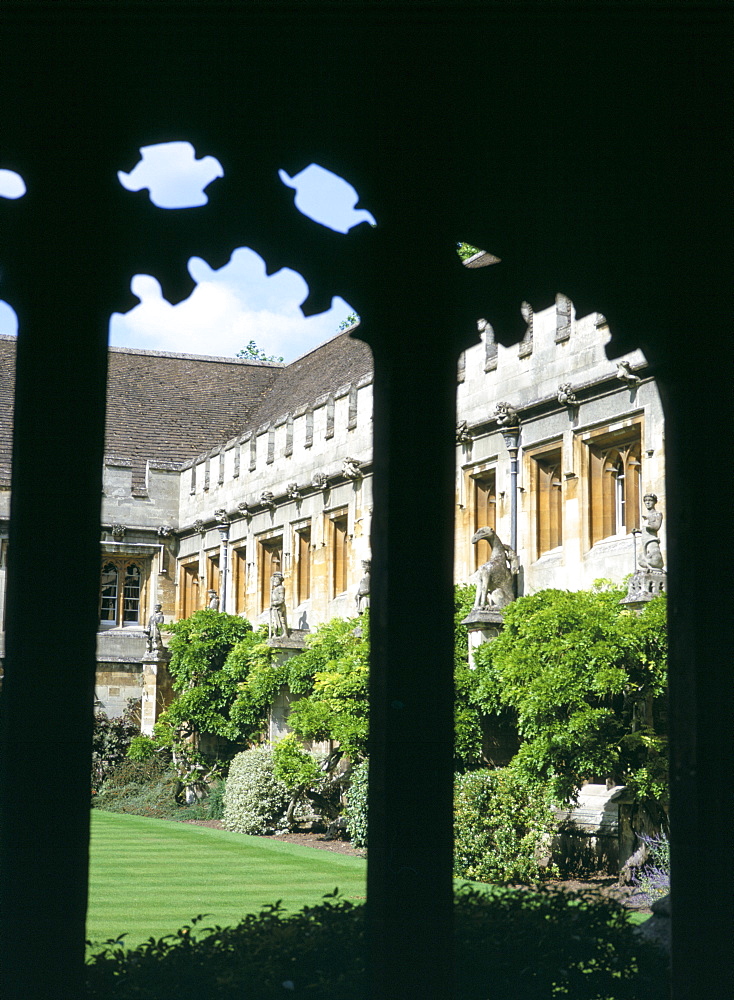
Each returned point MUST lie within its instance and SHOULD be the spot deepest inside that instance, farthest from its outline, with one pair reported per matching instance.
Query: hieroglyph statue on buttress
(154, 640)
(363, 590)
(278, 622)
(651, 557)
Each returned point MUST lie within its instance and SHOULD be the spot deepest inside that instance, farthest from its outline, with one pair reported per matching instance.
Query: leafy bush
(586, 682)
(142, 747)
(111, 739)
(503, 825)
(513, 944)
(295, 766)
(255, 801)
(653, 879)
(356, 809)
(146, 788)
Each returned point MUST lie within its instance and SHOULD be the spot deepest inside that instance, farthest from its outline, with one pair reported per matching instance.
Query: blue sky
(237, 303)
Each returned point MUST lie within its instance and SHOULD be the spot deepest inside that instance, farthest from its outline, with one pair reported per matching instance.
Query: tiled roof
(172, 407)
(7, 385)
(160, 406)
(326, 368)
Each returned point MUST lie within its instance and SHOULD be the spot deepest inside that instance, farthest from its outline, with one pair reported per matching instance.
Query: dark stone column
(409, 883)
(57, 243)
(701, 681)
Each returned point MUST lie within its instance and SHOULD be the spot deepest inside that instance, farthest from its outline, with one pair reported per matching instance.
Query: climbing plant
(586, 682)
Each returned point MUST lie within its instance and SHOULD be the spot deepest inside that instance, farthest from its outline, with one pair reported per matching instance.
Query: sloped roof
(172, 407)
(324, 369)
(7, 388)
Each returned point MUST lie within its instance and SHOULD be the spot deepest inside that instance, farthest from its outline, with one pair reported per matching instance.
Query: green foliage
(111, 740)
(356, 809)
(208, 678)
(513, 944)
(350, 320)
(466, 250)
(293, 765)
(587, 683)
(467, 726)
(253, 353)
(503, 824)
(255, 801)
(333, 674)
(142, 747)
(146, 788)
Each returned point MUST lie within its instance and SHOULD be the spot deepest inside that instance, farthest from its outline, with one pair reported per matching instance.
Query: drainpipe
(223, 553)
(512, 440)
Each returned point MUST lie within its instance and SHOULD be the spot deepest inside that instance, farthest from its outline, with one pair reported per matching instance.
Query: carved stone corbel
(566, 396)
(506, 415)
(352, 468)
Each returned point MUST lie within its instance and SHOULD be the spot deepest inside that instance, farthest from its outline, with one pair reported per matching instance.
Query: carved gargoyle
(566, 395)
(352, 468)
(496, 587)
(625, 374)
(506, 415)
(463, 434)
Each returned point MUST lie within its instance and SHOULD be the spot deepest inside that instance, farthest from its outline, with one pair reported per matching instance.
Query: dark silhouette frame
(586, 145)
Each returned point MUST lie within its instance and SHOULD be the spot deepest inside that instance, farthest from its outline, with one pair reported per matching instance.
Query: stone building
(221, 471)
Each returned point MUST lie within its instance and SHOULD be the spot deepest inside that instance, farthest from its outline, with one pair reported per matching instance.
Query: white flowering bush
(356, 809)
(255, 801)
(503, 824)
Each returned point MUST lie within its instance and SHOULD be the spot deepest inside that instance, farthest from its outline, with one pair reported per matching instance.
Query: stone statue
(496, 586)
(213, 604)
(154, 642)
(363, 590)
(278, 623)
(650, 556)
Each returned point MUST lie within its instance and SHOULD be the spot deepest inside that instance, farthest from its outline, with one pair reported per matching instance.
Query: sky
(237, 303)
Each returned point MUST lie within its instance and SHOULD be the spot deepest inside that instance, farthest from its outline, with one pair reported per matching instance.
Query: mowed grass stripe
(148, 877)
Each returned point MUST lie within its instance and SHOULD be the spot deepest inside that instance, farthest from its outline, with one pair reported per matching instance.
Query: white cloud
(227, 309)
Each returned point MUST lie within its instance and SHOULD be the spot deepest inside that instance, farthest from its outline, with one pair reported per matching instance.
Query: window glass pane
(108, 602)
(131, 595)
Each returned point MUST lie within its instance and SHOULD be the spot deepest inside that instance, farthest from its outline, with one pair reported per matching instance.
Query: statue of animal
(495, 588)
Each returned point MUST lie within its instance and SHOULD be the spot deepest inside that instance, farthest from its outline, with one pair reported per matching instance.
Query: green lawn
(148, 877)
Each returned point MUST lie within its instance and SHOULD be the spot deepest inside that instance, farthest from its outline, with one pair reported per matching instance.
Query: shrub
(111, 739)
(356, 809)
(255, 801)
(146, 788)
(653, 879)
(142, 747)
(503, 824)
(513, 944)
